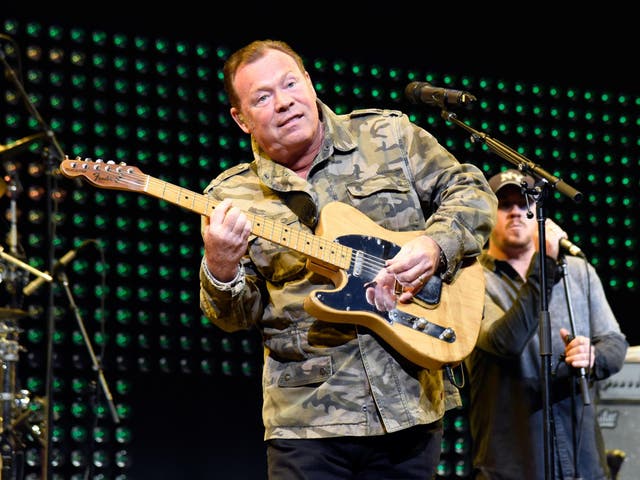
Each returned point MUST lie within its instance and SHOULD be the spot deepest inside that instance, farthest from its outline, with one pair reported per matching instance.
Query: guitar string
(371, 264)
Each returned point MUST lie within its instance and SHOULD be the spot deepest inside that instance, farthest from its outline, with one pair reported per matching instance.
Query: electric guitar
(437, 329)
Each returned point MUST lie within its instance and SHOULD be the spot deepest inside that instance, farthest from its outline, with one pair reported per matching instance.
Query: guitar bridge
(446, 334)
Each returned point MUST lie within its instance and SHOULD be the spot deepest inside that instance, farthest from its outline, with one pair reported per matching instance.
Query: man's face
(513, 230)
(277, 105)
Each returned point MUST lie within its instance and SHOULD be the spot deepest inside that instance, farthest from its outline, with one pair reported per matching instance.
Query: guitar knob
(448, 335)
(419, 324)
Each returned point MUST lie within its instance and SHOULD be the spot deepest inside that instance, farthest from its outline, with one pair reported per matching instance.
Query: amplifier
(618, 408)
(624, 385)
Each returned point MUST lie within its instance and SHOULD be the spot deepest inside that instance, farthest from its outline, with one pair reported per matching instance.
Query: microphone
(424, 92)
(584, 387)
(571, 248)
(60, 264)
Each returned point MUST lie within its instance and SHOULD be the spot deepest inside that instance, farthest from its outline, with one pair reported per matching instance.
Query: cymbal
(12, 313)
(21, 144)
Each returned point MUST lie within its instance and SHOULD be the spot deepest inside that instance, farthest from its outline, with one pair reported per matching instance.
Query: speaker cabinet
(619, 414)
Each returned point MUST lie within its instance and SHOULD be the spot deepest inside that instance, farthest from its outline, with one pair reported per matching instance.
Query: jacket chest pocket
(388, 200)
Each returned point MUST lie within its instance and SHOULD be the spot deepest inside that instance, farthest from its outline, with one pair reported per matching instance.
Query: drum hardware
(17, 420)
(11, 314)
(12, 404)
(53, 153)
(28, 417)
(9, 350)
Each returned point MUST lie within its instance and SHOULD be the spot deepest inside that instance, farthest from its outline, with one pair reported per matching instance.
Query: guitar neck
(326, 251)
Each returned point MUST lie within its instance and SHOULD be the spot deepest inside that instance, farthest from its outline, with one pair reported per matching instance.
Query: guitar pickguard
(352, 297)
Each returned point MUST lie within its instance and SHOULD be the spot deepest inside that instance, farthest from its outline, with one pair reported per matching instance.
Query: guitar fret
(181, 200)
(341, 255)
(269, 229)
(205, 205)
(323, 250)
(303, 242)
(163, 187)
(186, 200)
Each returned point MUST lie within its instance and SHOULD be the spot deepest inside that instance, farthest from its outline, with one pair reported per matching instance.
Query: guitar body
(452, 320)
(438, 328)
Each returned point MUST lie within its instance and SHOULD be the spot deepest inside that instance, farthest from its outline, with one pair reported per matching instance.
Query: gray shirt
(506, 407)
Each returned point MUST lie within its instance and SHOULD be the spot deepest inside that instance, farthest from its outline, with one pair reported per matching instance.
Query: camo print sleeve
(462, 208)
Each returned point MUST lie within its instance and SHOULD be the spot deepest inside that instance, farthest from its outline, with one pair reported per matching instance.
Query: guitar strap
(302, 205)
(298, 202)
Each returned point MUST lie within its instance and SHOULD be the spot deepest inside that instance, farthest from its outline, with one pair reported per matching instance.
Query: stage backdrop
(185, 397)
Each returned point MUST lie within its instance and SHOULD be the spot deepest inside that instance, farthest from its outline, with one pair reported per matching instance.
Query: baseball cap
(509, 177)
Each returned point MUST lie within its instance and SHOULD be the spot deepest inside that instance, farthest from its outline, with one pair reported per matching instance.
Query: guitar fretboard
(311, 245)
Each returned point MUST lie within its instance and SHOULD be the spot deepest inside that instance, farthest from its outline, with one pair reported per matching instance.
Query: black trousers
(408, 454)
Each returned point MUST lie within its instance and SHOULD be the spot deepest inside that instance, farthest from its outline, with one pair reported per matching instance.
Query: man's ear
(239, 119)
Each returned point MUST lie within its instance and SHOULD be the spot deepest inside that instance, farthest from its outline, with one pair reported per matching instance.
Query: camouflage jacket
(324, 379)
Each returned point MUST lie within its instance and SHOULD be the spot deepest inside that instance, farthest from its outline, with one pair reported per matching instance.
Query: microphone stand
(544, 182)
(582, 376)
(12, 76)
(94, 360)
(584, 386)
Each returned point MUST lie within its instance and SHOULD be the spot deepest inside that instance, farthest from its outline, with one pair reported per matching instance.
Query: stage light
(444, 469)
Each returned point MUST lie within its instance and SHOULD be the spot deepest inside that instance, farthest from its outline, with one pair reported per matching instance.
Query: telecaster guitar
(438, 328)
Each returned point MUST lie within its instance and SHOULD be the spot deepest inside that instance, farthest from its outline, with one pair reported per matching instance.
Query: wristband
(235, 286)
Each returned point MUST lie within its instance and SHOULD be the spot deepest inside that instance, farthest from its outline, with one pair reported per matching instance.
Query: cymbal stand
(26, 266)
(16, 277)
(14, 188)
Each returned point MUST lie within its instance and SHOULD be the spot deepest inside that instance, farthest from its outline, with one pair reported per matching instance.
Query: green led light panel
(157, 103)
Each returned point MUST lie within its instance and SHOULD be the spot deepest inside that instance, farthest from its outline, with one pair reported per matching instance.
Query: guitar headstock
(109, 174)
